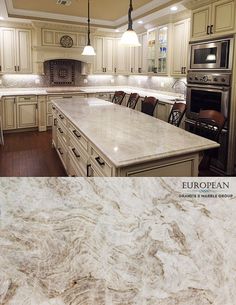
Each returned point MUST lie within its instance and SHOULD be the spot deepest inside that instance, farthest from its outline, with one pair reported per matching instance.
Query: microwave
(212, 55)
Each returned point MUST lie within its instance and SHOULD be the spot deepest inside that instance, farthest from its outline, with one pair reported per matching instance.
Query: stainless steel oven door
(206, 56)
(206, 97)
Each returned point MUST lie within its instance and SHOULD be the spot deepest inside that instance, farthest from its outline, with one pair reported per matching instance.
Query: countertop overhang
(127, 136)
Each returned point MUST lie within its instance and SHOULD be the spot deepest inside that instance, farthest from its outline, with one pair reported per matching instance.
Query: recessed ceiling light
(140, 21)
(174, 8)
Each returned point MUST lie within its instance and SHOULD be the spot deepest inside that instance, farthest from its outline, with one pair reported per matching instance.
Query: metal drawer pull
(75, 132)
(100, 161)
(59, 149)
(27, 98)
(55, 122)
(89, 170)
(67, 96)
(53, 108)
(75, 153)
(211, 29)
(60, 130)
(61, 116)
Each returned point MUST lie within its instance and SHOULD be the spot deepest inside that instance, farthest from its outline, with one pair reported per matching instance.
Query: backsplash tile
(149, 82)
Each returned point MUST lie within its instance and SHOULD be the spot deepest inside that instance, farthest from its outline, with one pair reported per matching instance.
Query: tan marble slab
(127, 136)
(115, 241)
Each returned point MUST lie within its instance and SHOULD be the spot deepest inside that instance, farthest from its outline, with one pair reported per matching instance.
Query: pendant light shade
(88, 49)
(130, 38)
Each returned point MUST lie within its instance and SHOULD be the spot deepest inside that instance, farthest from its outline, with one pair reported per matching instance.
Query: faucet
(178, 81)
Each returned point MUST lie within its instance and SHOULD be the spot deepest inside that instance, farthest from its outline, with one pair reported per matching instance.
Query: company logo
(206, 189)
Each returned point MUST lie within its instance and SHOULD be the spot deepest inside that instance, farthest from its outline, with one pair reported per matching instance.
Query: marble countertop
(127, 136)
(115, 241)
(166, 97)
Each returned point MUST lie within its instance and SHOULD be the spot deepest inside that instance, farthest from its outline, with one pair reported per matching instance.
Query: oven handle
(207, 87)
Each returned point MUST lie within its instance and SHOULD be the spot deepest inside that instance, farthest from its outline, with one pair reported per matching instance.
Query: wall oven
(210, 55)
(207, 91)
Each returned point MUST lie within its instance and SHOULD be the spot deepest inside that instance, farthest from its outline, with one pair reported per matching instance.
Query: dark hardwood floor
(29, 154)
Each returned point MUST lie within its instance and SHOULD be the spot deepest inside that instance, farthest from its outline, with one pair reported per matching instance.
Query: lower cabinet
(27, 114)
(20, 112)
(9, 112)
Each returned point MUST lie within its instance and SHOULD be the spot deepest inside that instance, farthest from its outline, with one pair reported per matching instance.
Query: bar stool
(177, 113)
(149, 104)
(118, 97)
(1, 132)
(133, 99)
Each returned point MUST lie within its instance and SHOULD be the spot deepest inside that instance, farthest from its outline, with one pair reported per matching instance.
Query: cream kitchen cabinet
(104, 59)
(122, 58)
(213, 20)
(20, 112)
(138, 56)
(27, 112)
(180, 40)
(163, 111)
(9, 112)
(15, 51)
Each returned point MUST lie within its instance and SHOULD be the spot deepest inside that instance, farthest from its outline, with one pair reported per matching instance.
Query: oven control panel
(209, 78)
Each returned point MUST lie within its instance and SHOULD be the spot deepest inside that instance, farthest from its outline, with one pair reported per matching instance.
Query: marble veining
(76, 241)
(127, 136)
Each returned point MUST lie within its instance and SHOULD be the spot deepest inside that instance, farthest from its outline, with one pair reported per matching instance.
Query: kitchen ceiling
(108, 13)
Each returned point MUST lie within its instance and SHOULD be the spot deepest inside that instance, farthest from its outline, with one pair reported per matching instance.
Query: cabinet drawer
(61, 118)
(62, 152)
(62, 132)
(80, 159)
(30, 98)
(72, 169)
(100, 163)
(93, 172)
(76, 135)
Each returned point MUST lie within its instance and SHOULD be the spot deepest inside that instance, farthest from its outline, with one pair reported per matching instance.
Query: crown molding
(153, 6)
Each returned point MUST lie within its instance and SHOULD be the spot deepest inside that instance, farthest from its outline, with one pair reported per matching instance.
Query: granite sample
(103, 241)
(126, 136)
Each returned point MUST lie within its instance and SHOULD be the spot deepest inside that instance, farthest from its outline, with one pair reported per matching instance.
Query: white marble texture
(120, 241)
(126, 136)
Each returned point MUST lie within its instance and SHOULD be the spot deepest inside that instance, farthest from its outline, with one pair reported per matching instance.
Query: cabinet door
(122, 62)
(108, 54)
(223, 17)
(98, 59)
(9, 113)
(163, 111)
(23, 51)
(8, 48)
(200, 21)
(27, 115)
(144, 53)
(180, 39)
(136, 58)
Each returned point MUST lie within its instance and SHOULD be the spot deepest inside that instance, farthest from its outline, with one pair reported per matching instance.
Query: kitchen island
(94, 137)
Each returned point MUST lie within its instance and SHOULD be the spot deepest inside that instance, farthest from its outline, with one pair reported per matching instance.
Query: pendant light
(88, 49)
(129, 37)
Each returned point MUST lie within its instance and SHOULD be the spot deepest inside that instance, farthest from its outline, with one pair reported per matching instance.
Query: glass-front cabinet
(151, 51)
(162, 50)
(157, 52)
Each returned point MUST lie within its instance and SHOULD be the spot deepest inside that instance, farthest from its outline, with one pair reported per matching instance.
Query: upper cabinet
(179, 42)
(122, 58)
(162, 51)
(214, 20)
(104, 59)
(15, 50)
(138, 56)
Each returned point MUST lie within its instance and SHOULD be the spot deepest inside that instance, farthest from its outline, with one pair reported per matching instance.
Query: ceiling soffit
(33, 11)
